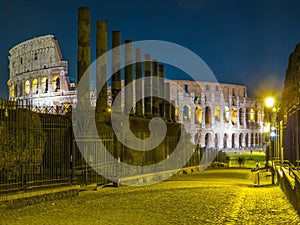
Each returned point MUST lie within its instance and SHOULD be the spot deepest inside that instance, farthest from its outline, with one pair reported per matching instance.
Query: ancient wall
(38, 73)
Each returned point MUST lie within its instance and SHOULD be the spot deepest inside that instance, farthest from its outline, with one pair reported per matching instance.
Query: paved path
(221, 196)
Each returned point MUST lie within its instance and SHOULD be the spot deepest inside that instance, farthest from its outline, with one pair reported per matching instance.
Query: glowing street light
(269, 102)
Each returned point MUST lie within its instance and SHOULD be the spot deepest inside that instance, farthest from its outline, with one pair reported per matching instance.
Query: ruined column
(147, 86)
(116, 63)
(138, 82)
(128, 99)
(167, 104)
(161, 89)
(155, 99)
(83, 52)
(101, 69)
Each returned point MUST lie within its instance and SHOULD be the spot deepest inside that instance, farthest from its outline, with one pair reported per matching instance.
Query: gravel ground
(220, 196)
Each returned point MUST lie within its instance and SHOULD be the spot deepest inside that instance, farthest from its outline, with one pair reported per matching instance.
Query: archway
(34, 86)
(247, 140)
(207, 115)
(207, 140)
(198, 115)
(44, 84)
(241, 141)
(186, 112)
(225, 140)
(27, 87)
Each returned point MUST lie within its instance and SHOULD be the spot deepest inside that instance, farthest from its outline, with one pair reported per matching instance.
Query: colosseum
(38, 73)
(216, 115)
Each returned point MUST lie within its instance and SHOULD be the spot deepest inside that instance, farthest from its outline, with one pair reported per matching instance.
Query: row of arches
(230, 141)
(35, 87)
(235, 116)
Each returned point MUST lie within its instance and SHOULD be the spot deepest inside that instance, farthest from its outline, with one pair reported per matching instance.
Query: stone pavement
(219, 196)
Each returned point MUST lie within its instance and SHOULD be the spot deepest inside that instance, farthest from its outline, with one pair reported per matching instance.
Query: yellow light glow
(267, 128)
(270, 102)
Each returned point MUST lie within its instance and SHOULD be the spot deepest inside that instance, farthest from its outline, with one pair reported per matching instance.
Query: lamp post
(269, 103)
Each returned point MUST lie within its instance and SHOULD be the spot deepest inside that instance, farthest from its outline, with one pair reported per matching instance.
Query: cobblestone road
(212, 197)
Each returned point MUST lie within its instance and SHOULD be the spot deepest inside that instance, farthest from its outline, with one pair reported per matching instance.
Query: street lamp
(269, 132)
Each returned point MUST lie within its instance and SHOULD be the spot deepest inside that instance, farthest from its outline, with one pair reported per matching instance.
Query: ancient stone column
(155, 99)
(128, 99)
(101, 69)
(167, 106)
(161, 89)
(147, 86)
(138, 82)
(116, 63)
(83, 53)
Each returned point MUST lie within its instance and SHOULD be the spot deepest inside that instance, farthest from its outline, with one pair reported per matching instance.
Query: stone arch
(247, 140)
(241, 140)
(207, 140)
(44, 84)
(241, 116)
(186, 112)
(226, 114)
(252, 115)
(35, 88)
(248, 117)
(207, 115)
(234, 116)
(234, 143)
(217, 137)
(217, 113)
(252, 139)
(225, 140)
(198, 115)
(27, 87)
(55, 84)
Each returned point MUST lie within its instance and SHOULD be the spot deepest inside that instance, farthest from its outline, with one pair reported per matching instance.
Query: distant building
(38, 73)
(218, 115)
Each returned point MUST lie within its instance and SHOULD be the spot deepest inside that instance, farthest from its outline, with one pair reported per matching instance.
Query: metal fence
(35, 149)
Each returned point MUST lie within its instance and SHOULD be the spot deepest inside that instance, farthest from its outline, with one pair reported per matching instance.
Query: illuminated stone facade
(38, 73)
(218, 115)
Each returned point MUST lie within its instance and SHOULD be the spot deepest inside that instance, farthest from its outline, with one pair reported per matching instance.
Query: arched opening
(35, 86)
(241, 141)
(207, 140)
(234, 116)
(27, 87)
(55, 84)
(44, 84)
(217, 113)
(186, 112)
(207, 115)
(226, 114)
(196, 138)
(259, 119)
(233, 141)
(248, 117)
(256, 139)
(12, 90)
(247, 140)
(252, 115)
(252, 140)
(225, 141)
(216, 140)
(198, 115)
(241, 116)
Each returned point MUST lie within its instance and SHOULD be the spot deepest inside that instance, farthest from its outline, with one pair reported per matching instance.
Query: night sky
(243, 42)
